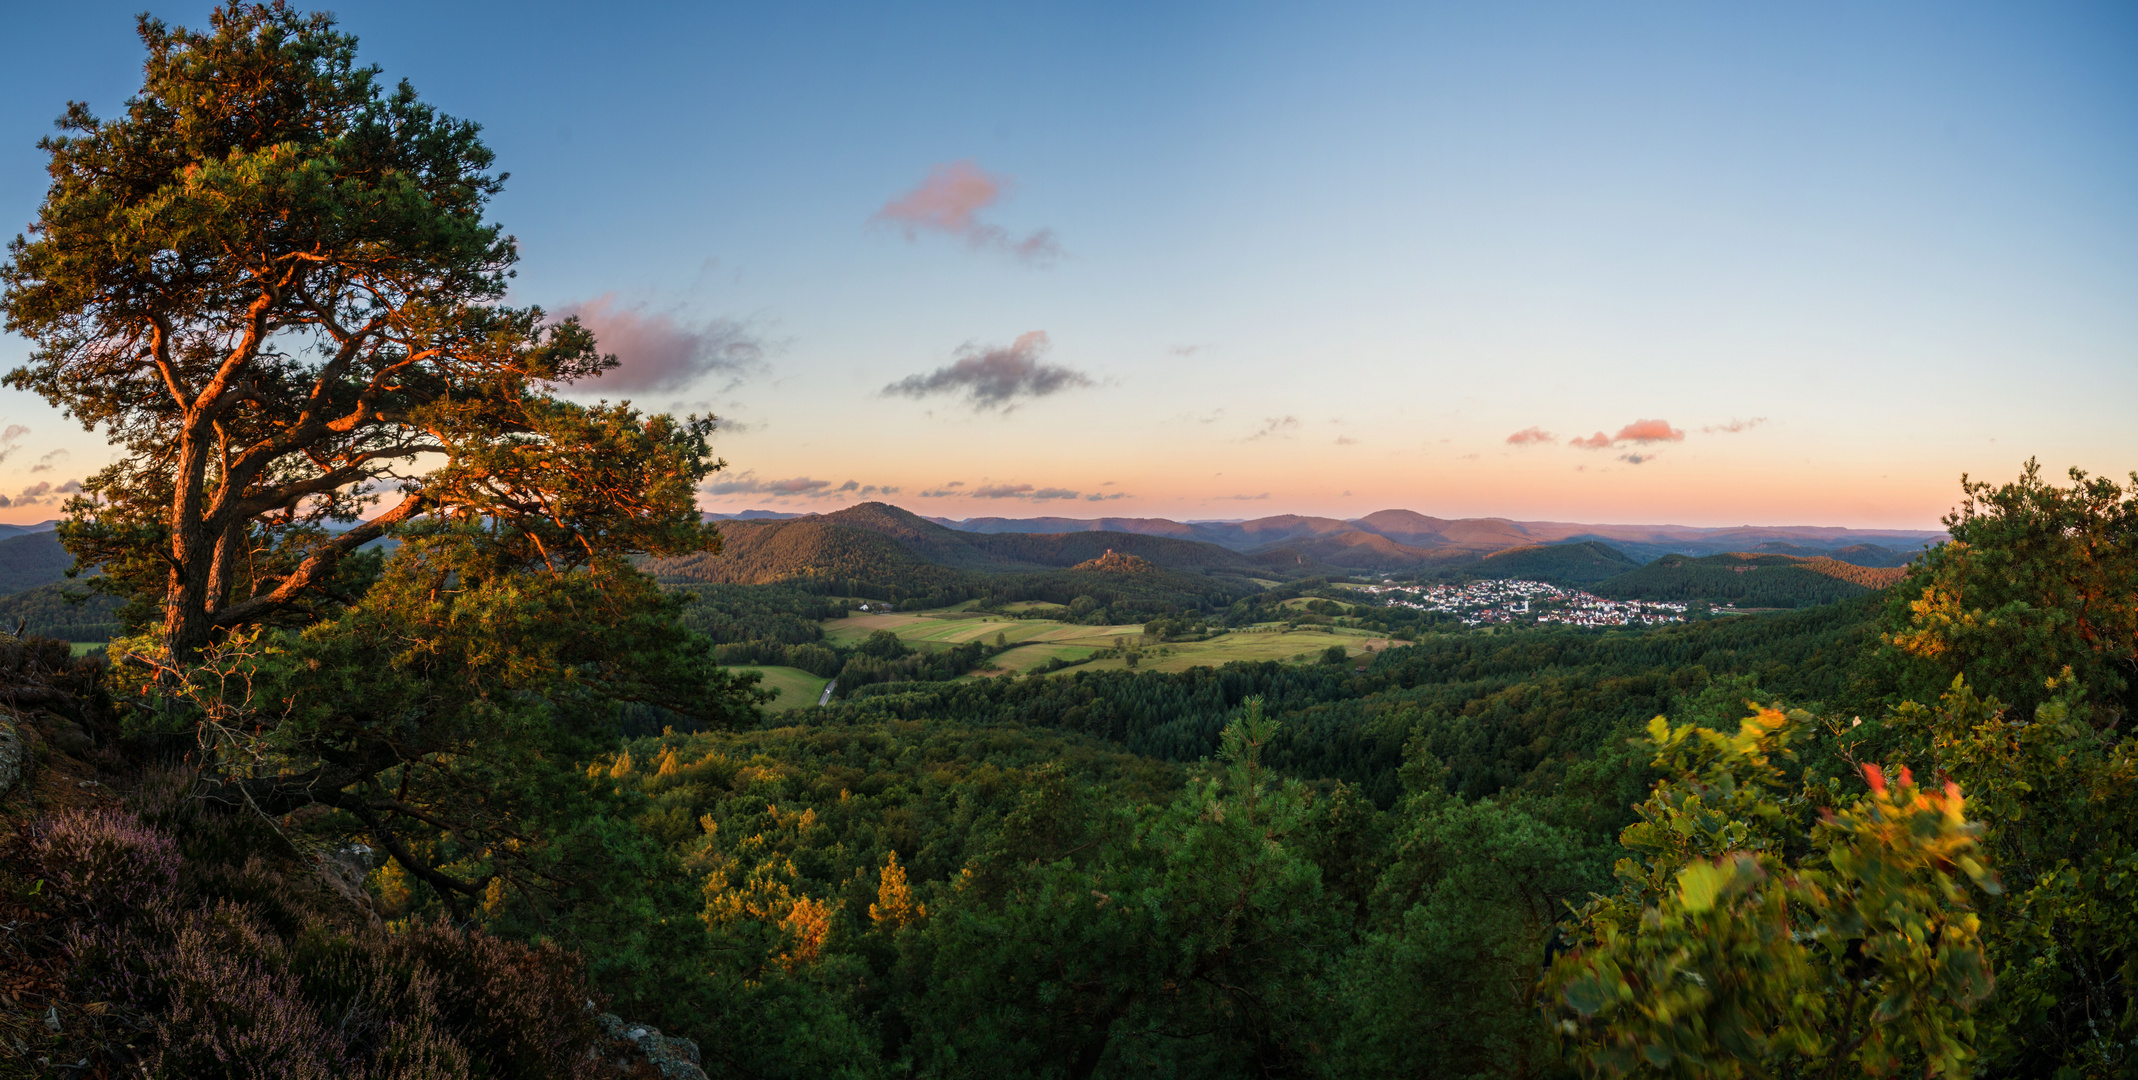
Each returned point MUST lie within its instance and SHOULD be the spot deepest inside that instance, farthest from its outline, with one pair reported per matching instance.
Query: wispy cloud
(49, 461)
(42, 492)
(1185, 350)
(11, 440)
(1530, 436)
(1031, 492)
(1264, 497)
(1636, 459)
(949, 201)
(1274, 426)
(656, 350)
(995, 377)
(1733, 427)
(749, 483)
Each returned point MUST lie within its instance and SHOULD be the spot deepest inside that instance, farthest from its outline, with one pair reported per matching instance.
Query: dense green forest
(491, 800)
(1746, 580)
(63, 610)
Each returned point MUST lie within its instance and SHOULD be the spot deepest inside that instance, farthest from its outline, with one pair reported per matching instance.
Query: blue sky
(1311, 258)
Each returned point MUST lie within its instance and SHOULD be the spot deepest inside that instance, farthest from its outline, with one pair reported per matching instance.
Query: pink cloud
(1649, 431)
(949, 201)
(1526, 436)
(657, 351)
(1643, 432)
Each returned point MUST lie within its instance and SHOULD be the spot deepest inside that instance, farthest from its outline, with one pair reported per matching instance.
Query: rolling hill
(764, 552)
(31, 559)
(874, 548)
(1579, 564)
(1450, 539)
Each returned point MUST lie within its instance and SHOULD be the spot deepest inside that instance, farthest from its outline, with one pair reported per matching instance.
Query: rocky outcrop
(629, 1044)
(1118, 563)
(13, 755)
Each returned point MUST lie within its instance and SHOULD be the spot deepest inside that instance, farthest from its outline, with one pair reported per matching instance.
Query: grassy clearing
(1041, 640)
(84, 648)
(798, 689)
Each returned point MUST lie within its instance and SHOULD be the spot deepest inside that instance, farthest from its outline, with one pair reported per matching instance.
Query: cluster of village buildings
(1484, 603)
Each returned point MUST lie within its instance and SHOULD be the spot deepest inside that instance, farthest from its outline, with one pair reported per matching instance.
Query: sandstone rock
(676, 1058)
(344, 870)
(11, 755)
(66, 736)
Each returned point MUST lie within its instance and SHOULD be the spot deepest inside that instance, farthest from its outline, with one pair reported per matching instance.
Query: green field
(1039, 640)
(84, 648)
(798, 689)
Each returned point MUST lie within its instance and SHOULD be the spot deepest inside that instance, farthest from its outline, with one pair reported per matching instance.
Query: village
(1486, 603)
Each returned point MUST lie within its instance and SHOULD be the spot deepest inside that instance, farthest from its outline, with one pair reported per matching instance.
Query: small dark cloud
(11, 440)
(1109, 497)
(1246, 498)
(995, 377)
(1346, 440)
(1185, 350)
(850, 485)
(1002, 491)
(48, 461)
(1274, 426)
(1056, 493)
(1735, 425)
(656, 351)
(1636, 459)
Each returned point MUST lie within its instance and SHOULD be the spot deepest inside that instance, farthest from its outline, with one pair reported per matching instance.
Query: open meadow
(1036, 641)
(797, 688)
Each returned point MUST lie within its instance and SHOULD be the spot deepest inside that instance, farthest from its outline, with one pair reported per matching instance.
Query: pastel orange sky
(1550, 261)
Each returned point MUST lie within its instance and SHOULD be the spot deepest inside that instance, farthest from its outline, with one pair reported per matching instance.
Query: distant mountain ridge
(1401, 539)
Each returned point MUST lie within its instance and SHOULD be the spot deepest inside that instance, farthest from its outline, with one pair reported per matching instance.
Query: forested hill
(1582, 563)
(884, 545)
(764, 552)
(28, 560)
(1500, 710)
(1749, 579)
